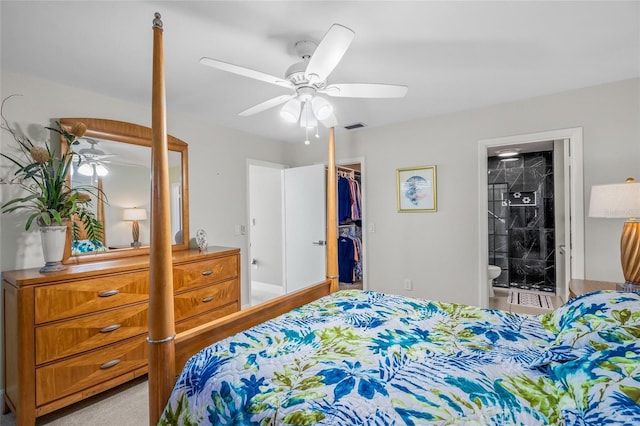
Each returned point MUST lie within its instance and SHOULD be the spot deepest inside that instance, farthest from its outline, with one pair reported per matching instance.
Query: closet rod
(347, 172)
(347, 169)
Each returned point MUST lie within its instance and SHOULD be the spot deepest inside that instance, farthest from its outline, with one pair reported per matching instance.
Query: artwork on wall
(417, 189)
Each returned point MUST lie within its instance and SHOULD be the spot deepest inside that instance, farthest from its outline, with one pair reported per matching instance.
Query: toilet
(493, 272)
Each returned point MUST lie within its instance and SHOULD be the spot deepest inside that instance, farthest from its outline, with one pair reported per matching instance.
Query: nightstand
(578, 287)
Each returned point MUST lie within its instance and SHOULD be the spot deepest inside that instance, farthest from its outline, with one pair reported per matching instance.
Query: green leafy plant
(43, 174)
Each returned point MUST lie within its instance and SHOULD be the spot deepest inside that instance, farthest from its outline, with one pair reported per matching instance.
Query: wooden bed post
(332, 215)
(161, 317)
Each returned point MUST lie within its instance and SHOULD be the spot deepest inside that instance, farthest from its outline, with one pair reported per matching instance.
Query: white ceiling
(453, 55)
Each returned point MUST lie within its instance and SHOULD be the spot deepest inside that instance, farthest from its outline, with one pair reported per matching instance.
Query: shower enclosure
(521, 224)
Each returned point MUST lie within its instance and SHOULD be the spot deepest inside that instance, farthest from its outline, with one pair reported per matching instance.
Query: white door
(304, 226)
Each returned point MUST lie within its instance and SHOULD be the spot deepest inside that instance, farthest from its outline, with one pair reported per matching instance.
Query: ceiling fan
(91, 160)
(308, 78)
(93, 153)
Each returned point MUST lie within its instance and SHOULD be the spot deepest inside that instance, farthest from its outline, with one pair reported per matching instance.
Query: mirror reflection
(115, 157)
(122, 171)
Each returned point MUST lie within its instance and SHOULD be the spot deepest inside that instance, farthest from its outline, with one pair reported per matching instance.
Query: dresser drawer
(87, 296)
(71, 337)
(201, 273)
(66, 377)
(198, 301)
(206, 317)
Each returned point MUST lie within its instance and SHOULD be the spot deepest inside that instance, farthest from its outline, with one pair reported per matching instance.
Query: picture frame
(417, 189)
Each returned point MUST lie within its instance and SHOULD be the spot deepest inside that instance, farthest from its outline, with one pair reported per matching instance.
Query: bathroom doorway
(569, 218)
(522, 212)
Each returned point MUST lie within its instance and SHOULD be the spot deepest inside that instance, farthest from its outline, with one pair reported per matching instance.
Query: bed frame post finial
(157, 21)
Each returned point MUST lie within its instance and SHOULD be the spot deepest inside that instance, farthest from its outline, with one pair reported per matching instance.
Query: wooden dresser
(71, 334)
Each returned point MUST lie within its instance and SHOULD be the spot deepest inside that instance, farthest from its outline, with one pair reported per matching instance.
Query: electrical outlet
(408, 285)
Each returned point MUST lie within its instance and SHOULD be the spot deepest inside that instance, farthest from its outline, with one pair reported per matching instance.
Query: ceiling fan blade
(267, 104)
(329, 52)
(245, 72)
(365, 90)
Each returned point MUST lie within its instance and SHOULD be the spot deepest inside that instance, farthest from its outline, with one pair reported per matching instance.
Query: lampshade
(321, 107)
(620, 200)
(87, 169)
(101, 170)
(134, 214)
(290, 112)
(308, 112)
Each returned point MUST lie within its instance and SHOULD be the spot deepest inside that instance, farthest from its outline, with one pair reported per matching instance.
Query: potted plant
(47, 196)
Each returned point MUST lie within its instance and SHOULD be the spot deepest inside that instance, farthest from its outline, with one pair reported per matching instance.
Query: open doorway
(265, 207)
(287, 213)
(287, 229)
(569, 248)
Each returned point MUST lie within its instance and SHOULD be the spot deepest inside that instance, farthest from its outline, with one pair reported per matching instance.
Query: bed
(323, 356)
(361, 357)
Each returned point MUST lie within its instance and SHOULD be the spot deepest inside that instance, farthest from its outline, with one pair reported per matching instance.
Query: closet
(350, 268)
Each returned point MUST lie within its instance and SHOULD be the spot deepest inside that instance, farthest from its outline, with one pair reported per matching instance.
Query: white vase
(53, 240)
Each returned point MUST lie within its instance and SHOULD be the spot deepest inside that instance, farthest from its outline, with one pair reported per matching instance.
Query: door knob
(319, 243)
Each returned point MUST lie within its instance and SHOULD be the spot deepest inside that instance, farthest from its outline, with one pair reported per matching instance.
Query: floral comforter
(366, 358)
(357, 357)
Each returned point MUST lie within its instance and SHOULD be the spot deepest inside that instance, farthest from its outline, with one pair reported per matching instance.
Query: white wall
(439, 251)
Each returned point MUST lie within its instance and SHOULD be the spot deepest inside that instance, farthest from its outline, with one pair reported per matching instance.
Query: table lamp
(622, 201)
(135, 215)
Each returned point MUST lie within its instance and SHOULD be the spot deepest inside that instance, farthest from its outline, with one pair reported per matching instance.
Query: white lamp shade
(321, 107)
(134, 214)
(620, 200)
(290, 112)
(101, 170)
(85, 169)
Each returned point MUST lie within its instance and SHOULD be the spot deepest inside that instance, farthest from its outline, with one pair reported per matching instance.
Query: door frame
(576, 231)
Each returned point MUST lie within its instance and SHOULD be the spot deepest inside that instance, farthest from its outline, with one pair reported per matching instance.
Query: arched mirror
(117, 160)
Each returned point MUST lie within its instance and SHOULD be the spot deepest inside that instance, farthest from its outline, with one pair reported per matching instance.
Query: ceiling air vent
(354, 126)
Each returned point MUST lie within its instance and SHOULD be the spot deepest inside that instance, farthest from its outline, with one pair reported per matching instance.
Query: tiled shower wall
(521, 221)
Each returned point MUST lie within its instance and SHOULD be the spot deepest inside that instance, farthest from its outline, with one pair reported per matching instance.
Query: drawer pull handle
(108, 293)
(110, 328)
(110, 364)
(206, 273)
(207, 299)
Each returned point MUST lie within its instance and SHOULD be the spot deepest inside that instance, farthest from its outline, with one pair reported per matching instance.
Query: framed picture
(417, 189)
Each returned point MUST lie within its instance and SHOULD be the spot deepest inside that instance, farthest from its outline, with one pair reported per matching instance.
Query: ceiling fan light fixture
(101, 170)
(321, 107)
(85, 169)
(290, 112)
(307, 119)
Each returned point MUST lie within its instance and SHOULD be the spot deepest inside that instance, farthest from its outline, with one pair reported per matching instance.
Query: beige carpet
(126, 405)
